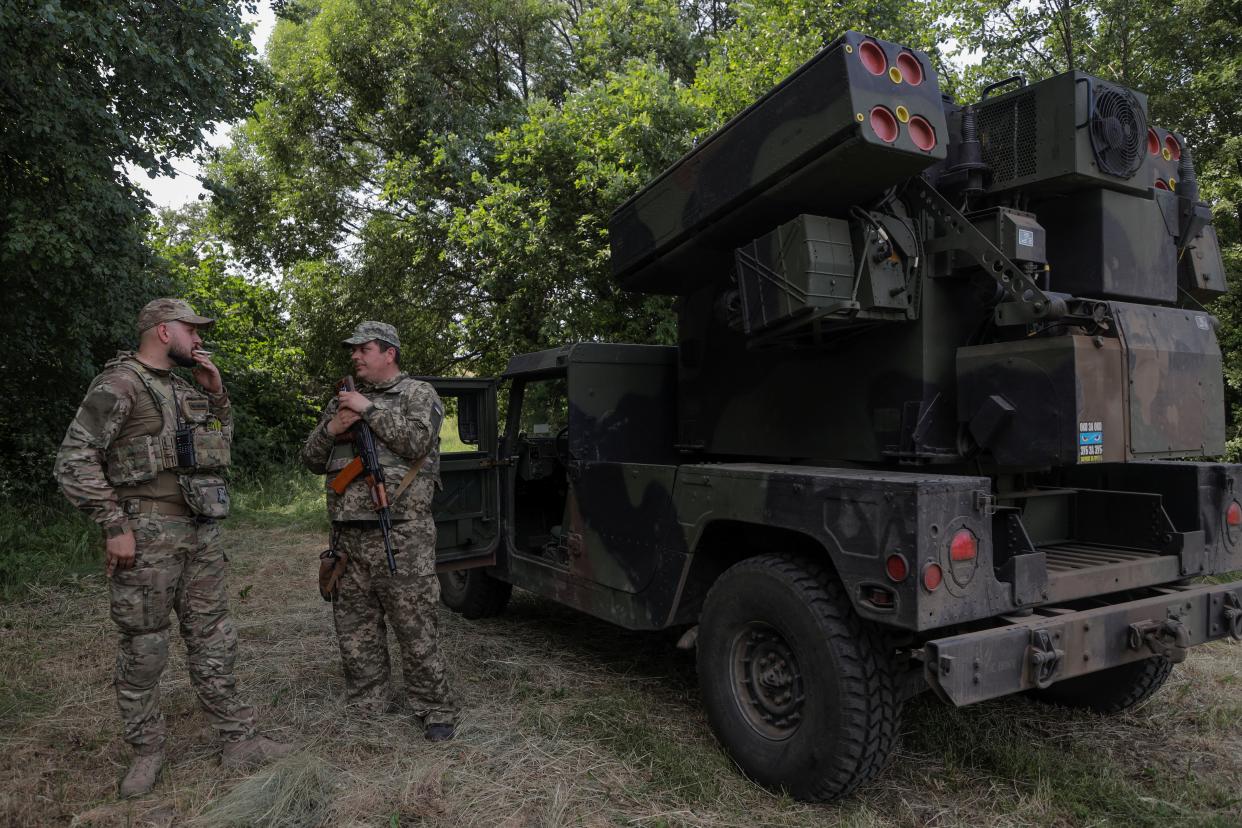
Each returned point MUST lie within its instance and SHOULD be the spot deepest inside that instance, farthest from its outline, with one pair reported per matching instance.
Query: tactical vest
(174, 461)
(355, 503)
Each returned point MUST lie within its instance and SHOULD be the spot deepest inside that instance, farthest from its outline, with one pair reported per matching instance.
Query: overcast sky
(176, 191)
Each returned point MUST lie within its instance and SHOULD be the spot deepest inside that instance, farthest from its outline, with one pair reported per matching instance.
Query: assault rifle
(367, 462)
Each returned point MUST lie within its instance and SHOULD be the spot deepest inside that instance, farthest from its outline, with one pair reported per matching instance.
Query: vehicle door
(467, 507)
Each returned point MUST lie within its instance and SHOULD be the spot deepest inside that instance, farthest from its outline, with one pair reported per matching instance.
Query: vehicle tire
(1112, 690)
(798, 689)
(474, 593)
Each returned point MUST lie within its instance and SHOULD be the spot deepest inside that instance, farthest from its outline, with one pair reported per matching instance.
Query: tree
(85, 89)
(451, 165)
(251, 342)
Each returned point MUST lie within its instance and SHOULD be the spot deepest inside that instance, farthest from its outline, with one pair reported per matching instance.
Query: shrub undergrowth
(48, 541)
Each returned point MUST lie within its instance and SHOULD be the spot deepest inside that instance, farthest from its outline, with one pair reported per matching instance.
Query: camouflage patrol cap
(169, 310)
(368, 331)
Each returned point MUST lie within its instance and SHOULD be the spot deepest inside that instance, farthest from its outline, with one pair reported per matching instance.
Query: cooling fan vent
(1118, 131)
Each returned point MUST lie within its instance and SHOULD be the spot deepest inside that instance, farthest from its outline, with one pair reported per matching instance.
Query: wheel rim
(454, 582)
(767, 682)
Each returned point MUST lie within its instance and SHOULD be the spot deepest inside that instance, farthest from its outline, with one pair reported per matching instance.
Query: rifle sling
(409, 477)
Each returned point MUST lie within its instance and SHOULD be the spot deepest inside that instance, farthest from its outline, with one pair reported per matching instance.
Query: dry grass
(569, 722)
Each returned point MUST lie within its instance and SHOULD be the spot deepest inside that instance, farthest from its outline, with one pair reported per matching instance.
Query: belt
(141, 506)
(135, 506)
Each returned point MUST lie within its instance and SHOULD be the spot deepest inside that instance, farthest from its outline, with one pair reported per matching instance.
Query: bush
(45, 541)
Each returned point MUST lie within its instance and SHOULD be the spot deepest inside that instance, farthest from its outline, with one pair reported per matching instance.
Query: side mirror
(469, 416)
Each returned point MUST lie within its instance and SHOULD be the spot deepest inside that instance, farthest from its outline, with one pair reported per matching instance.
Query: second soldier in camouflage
(404, 415)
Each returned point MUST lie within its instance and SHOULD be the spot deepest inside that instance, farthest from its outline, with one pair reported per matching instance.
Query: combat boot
(140, 778)
(439, 732)
(253, 751)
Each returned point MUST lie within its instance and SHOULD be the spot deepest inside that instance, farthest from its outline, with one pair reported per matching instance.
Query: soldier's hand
(120, 553)
(206, 373)
(341, 421)
(353, 401)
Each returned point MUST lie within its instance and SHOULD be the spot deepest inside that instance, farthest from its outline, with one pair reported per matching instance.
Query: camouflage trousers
(371, 599)
(179, 566)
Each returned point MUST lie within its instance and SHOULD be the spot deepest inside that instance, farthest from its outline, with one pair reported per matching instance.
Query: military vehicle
(936, 418)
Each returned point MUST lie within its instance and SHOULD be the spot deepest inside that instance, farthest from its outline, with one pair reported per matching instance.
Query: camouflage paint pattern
(179, 567)
(371, 600)
(405, 417)
(115, 446)
(116, 460)
(814, 136)
(867, 437)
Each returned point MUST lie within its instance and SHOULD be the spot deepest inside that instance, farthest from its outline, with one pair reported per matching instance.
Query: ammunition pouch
(332, 566)
(134, 460)
(211, 448)
(207, 495)
(140, 459)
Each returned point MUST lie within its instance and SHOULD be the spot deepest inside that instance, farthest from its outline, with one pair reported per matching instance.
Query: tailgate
(1038, 650)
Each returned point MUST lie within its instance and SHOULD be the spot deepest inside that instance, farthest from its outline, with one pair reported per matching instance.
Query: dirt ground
(568, 722)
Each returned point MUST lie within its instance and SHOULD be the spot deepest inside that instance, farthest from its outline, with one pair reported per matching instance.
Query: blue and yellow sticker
(1090, 442)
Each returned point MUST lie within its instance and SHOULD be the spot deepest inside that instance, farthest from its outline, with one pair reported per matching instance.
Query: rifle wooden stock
(347, 475)
(367, 462)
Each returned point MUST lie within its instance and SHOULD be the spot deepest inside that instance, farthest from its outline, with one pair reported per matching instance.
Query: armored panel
(1108, 245)
(1066, 133)
(1044, 402)
(1201, 271)
(622, 403)
(1176, 392)
(856, 119)
(804, 264)
(1015, 233)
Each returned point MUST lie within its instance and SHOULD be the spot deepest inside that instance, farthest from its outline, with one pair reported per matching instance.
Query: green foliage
(258, 357)
(89, 87)
(451, 167)
(47, 541)
(286, 496)
(44, 542)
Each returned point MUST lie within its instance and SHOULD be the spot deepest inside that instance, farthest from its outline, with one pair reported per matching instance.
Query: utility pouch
(211, 448)
(331, 569)
(135, 460)
(207, 495)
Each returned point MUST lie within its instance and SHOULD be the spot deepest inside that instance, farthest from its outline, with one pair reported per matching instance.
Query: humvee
(940, 416)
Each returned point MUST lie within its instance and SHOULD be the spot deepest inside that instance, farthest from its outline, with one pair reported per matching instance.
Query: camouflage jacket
(119, 416)
(405, 417)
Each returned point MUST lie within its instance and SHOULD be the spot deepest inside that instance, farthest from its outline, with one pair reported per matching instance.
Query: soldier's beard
(182, 358)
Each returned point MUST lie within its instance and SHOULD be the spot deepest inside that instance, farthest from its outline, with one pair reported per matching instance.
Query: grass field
(568, 722)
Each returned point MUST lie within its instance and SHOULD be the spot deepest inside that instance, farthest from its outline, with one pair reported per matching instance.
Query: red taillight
(964, 546)
(896, 568)
(933, 577)
(1233, 515)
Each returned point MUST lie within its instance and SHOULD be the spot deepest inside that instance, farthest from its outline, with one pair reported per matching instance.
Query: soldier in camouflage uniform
(404, 415)
(143, 457)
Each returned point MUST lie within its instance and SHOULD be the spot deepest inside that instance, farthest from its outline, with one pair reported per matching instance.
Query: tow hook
(1233, 615)
(1044, 658)
(1168, 638)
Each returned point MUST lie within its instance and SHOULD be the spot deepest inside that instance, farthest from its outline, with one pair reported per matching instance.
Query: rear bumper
(1041, 649)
